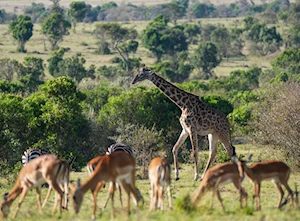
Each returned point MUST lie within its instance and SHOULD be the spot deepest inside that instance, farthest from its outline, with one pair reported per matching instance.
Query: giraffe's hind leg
(213, 141)
(194, 140)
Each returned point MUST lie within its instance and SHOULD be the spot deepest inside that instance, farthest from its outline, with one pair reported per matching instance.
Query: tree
(121, 39)
(74, 68)
(91, 13)
(176, 10)
(192, 31)
(221, 38)
(218, 103)
(9, 69)
(13, 130)
(206, 57)
(71, 66)
(248, 22)
(33, 72)
(176, 70)
(294, 13)
(109, 5)
(11, 87)
(59, 124)
(202, 10)
(141, 107)
(77, 12)
(55, 58)
(54, 28)
(288, 61)
(35, 11)
(3, 16)
(276, 120)
(56, 8)
(238, 80)
(22, 30)
(162, 39)
(264, 40)
(293, 38)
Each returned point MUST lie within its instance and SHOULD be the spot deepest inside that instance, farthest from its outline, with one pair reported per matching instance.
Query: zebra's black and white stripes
(119, 147)
(31, 154)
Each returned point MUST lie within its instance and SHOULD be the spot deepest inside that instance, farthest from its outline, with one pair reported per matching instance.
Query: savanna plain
(181, 190)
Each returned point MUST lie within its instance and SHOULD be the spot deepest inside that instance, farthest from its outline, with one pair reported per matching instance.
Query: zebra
(119, 147)
(31, 154)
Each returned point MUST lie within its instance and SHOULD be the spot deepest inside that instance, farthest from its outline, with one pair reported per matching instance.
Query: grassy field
(85, 43)
(180, 189)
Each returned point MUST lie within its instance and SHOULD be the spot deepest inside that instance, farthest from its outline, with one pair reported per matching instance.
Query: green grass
(181, 190)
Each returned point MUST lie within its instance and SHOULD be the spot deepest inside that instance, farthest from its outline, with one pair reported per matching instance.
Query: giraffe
(197, 118)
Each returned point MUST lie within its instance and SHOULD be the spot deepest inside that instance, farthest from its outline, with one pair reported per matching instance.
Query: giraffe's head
(143, 74)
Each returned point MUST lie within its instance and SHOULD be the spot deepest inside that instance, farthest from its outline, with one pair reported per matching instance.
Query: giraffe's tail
(233, 151)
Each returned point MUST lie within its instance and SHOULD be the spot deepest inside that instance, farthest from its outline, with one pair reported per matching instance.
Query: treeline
(62, 119)
(176, 9)
(82, 110)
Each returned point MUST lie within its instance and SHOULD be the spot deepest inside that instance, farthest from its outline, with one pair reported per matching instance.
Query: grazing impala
(91, 165)
(274, 170)
(117, 167)
(219, 175)
(159, 175)
(44, 169)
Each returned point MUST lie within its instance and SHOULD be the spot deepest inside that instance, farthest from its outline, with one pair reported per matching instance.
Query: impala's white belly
(33, 181)
(125, 174)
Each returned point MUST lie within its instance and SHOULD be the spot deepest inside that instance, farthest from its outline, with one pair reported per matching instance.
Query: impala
(117, 167)
(274, 170)
(44, 169)
(219, 175)
(91, 167)
(64, 184)
(159, 175)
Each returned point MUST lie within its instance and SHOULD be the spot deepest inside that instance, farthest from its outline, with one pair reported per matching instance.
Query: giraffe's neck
(180, 97)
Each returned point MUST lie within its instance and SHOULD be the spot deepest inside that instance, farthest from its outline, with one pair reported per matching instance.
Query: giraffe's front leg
(179, 142)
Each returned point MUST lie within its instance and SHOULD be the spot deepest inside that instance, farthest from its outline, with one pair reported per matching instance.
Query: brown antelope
(44, 169)
(117, 167)
(219, 175)
(91, 167)
(159, 175)
(63, 183)
(274, 170)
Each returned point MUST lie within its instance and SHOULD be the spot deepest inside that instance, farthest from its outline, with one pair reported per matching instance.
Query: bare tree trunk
(123, 57)
(44, 41)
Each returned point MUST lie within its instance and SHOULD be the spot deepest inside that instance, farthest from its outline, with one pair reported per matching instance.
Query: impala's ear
(249, 157)
(78, 184)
